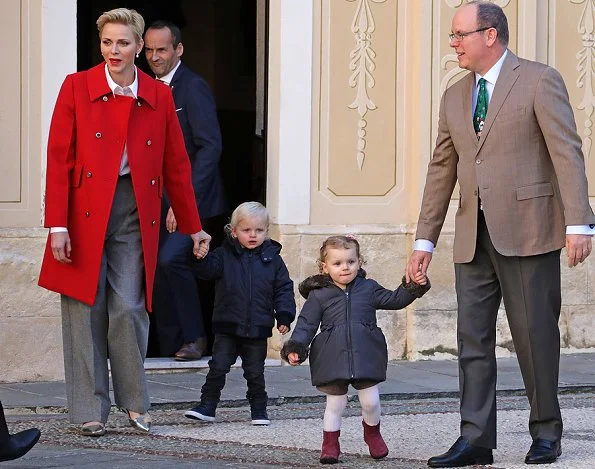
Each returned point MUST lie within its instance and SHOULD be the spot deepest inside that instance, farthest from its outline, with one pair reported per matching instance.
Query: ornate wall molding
(444, 61)
(585, 57)
(362, 66)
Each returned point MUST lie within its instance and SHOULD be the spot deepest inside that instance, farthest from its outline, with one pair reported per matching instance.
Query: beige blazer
(527, 167)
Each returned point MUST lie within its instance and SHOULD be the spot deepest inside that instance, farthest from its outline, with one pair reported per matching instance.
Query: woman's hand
(170, 221)
(283, 329)
(61, 247)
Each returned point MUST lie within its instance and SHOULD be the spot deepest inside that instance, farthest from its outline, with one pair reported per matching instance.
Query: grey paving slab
(44, 456)
(431, 377)
(44, 393)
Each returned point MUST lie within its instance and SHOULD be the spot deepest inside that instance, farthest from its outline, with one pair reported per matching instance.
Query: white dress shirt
(170, 76)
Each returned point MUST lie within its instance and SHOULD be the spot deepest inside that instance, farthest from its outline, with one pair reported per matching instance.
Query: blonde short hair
(247, 210)
(130, 18)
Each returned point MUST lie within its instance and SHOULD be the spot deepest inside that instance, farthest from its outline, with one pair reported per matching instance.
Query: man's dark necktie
(481, 109)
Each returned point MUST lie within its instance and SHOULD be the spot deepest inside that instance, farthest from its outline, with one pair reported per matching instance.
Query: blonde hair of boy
(248, 210)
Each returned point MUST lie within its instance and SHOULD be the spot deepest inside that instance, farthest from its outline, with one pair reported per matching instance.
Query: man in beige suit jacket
(523, 197)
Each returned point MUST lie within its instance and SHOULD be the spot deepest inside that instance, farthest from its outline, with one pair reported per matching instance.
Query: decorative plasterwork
(444, 61)
(362, 65)
(586, 28)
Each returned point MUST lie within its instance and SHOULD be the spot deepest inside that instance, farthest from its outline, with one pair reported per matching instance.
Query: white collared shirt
(490, 77)
(119, 90)
(113, 85)
(170, 76)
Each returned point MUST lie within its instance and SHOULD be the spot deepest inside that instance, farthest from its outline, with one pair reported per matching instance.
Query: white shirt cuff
(581, 229)
(58, 229)
(423, 245)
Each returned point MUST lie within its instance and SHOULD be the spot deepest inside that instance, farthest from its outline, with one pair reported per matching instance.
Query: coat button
(148, 142)
(105, 98)
(475, 192)
(138, 103)
(478, 161)
(89, 174)
(98, 135)
(153, 222)
(152, 182)
(87, 214)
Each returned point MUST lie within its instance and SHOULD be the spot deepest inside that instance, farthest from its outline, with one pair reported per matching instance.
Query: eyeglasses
(460, 36)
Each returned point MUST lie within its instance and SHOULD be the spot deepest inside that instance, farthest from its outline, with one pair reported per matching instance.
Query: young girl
(252, 289)
(350, 348)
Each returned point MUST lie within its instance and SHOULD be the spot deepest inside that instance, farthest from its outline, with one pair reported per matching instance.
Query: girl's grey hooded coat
(349, 345)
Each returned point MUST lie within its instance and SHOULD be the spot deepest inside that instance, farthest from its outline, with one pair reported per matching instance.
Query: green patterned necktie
(481, 109)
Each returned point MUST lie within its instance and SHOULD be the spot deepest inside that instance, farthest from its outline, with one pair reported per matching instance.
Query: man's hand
(61, 248)
(283, 329)
(418, 263)
(201, 243)
(578, 248)
(170, 221)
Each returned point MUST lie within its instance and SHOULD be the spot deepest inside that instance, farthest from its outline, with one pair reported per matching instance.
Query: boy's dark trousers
(226, 349)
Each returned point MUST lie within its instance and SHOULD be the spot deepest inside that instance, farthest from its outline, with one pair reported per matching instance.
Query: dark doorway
(225, 42)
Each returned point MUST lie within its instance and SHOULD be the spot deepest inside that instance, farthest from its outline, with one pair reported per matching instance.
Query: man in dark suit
(179, 321)
(507, 134)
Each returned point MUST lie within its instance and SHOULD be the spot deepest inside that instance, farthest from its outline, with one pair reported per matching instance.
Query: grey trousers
(530, 287)
(117, 325)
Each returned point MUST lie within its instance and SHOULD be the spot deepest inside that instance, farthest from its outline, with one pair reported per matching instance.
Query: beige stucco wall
(347, 153)
(30, 331)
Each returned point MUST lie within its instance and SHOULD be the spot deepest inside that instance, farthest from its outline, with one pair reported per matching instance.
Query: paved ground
(420, 419)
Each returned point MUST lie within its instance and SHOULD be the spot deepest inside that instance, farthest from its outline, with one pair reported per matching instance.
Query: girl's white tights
(335, 405)
(369, 399)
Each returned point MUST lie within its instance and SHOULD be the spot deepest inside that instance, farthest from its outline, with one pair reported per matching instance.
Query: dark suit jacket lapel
(507, 78)
(177, 78)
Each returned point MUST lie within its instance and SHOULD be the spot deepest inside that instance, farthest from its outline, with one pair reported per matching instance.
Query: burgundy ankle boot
(373, 439)
(330, 447)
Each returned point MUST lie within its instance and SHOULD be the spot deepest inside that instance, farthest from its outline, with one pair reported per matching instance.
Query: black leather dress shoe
(543, 452)
(462, 453)
(18, 444)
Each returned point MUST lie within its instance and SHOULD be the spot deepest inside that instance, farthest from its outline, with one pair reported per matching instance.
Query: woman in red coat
(114, 144)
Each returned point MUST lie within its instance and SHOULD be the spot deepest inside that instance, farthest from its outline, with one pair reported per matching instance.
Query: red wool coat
(87, 134)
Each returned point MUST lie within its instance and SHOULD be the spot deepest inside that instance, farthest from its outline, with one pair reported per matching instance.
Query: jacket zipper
(249, 323)
(349, 344)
